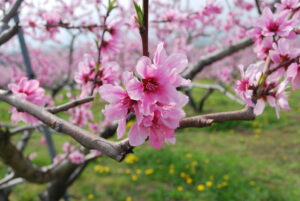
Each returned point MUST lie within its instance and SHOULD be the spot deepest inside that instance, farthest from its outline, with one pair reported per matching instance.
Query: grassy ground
(235, 161)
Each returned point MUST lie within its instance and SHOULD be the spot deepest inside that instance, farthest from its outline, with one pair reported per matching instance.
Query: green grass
(233, 161)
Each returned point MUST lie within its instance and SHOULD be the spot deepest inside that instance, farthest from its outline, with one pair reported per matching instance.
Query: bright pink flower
(249, 81)
(52, 18)
(277, 98)
(95, 152)
(293, 74)
(43, 141)
(32, 156)
(159, 126)
(67, 147)
(76, 157)
(58, 158)
(82, 114)
(283, 51)
(211, 8)
(86, 75)
(289, 5)
(244, 5)
(256, 34)
(120, 102)
(30, 91)
(262, 49)
(160, 79)
(111, 47)
(94, 127)
(272, 24)
(114, 28)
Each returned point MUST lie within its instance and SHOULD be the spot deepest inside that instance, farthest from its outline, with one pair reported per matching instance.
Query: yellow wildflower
(189, 155)
(91, 196)
(130, 159)
(226, 177)
(209, 183)
(149, 171)
(180, 188)
(127, 171)
(200, 187)
(128, 198)
(134, 177)
(189, 180)
(183, 175)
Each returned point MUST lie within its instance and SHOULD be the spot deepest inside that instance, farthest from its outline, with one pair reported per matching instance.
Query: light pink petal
(259, 107)
(176, 63)
(137, 136)
(111, 93)
(143, 66)
(121, 127)
(160, 54)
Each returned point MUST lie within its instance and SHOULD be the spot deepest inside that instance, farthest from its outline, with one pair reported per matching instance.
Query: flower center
(273, 27)
(150, 85)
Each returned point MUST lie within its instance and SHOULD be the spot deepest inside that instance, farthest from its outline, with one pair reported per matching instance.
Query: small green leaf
(139, 13)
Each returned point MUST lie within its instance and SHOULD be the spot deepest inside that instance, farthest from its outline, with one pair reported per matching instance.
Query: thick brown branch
(7, 34)
(12, 12)
(115, 150)
(216, 56)
(23, 167)
(245, 114)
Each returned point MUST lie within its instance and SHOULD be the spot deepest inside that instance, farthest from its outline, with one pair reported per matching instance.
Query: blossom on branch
(31, 91)
(152, 96)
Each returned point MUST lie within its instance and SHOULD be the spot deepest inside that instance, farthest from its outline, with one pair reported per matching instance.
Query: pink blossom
(95, 152)
(32, 156)
(272, 24)
(289, 5)
(86, 75)
(282, 51)
(262, 49)
(67, 147)
(43, 141)
(76, 157)
(159, 126)
(52, 18)
(277, 98)
(58, 158)
(94, 127)
(114, 28)
(160, 79)
(120, 102)
(82, 114)
(30, 91)
(293, 74)
(110, 47)
(249, 81)
(256, 34)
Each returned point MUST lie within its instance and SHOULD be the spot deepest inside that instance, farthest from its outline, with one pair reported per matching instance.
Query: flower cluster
(89, 78)
(267, 80)
(152, 96)
(30, 91)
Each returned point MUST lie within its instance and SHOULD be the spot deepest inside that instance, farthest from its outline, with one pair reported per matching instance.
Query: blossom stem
(144, 28)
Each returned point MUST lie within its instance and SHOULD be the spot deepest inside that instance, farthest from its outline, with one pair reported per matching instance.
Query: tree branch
(115, 150)
(70, 105)
(208, 119)
(12, 12)
(216, 56)
(7, 34)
